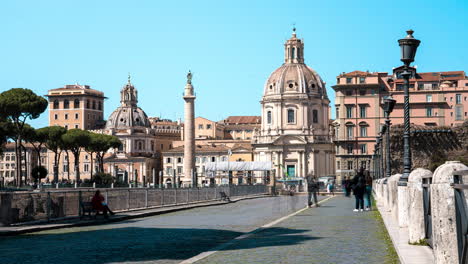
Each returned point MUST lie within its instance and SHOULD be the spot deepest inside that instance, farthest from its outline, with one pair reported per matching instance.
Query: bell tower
(294, 49)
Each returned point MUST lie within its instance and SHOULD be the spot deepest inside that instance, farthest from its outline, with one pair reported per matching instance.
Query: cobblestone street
(329, 234)
(332, 233)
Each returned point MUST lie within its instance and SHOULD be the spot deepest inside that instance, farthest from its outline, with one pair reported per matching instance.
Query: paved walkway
(332, 233)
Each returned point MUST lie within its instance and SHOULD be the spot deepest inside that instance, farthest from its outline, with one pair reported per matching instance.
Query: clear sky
(230, 46)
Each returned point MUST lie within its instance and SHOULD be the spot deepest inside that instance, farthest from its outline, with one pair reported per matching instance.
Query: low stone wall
(411, 212)
(16, 207)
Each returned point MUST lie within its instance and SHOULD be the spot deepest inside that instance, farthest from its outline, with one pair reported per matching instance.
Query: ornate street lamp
(408, 46)
(389, 104)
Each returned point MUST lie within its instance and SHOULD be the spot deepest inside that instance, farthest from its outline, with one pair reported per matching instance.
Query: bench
(224, 197)
(87, 210)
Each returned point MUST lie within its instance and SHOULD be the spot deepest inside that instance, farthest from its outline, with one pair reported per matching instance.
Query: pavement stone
(332, 233)
(166, 238)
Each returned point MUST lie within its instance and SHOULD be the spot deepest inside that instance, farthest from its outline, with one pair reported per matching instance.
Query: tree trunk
(68, 166)
(56, 165)
(26, 178)
(77, 166)
(17, 163)
(91, 166)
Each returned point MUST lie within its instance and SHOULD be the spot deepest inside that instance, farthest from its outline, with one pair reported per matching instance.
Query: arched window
(56, 104)
(87, 104)
(94, 104)
(293, 53)
(76, 103)
(315, 116)
(66, 104)
(298, 52)
(269, 117)
(140, 145)
(291, 116)
(99, 105)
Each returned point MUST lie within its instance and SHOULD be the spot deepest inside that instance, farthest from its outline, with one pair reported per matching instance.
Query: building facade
(294, 132)
(30, 159)
(436, 99)
(76, 106)
(241, 127)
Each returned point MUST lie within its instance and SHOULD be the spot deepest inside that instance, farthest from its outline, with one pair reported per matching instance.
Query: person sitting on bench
(99, 204)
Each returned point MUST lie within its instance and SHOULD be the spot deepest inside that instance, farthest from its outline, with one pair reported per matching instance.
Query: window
(168, 170)
(372, 91)
(363, 148)
(338, 164)
(66, 116)
(362, 92)
(349, 111)
(76, 115)
(428, 98)
(208, 126)
(428, 111)
(269, 117)
(435, 86)
(349, 148)
(362, 111)
(168, 160)
(293, 55)
(458, 113)
(349, 80)
(200, 126)
(349, 92)
(337, 112)
(56, 104)
(399, 87)
(94, 104)
(349, 131)
(362, 79)
(76, 103)
(363, 164)
(420, 86)
(458, 99)
(152, 146)
(213, 159)
(86, 167)
(350, 164)
(290, 116)
(76, 126)
(179, 160)
(99, 105)
(315, 116)
(363, 131)
(66, 104)
(197, 160)
(140, 145)
(451, 99)
(55, 116)
(87, 104)
(204, 159)
(337, 80)
(179, 170)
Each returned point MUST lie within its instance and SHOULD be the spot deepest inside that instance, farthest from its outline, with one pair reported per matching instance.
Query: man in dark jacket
(359, 187)
(312, 189)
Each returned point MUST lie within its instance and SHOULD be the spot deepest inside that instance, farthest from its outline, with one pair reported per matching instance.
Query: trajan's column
(189, 132)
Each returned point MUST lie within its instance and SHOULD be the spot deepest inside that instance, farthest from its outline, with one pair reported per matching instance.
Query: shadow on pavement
(133, 244)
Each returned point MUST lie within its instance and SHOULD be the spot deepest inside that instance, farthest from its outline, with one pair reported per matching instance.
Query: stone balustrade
(427, 210)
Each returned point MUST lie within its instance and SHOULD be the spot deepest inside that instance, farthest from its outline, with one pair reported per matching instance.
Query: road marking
(247, 235)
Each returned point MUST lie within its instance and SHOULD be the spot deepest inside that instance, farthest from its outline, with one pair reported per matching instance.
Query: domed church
(295, 131)
(136, 160)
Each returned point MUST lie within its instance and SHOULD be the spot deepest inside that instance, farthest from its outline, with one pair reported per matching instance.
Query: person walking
(312, 189)
(368, 191)
(359, 186)
(331, 187)
(346, 186)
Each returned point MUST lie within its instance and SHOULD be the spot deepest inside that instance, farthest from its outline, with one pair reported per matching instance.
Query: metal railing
(461, 211)
(427, 210)
(17, 207)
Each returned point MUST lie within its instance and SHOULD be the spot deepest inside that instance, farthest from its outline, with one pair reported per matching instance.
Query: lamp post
(382, 150)
(376, 153)
(389, 104)
(408, 46)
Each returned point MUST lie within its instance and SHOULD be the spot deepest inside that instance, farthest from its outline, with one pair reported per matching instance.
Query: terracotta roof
(437, 76)
(200, 148)
(242, 120)
(356, 73)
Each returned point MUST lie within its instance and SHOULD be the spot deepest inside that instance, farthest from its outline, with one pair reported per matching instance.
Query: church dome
(128, 114)
(294, 76)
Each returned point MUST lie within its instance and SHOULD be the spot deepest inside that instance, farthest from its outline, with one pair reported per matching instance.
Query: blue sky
(230, 46)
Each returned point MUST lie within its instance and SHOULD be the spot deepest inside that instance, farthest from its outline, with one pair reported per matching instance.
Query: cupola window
(291, 116)
(293, 55)
(269, 117)
(315, 116)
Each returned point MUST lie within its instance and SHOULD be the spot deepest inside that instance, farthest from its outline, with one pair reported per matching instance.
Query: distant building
(294, 132)
(436, 99)
(207, 129)
(30, 160)
(76, 106)
(240, 127)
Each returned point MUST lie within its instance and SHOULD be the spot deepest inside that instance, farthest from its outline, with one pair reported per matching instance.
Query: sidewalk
(332, 233)
(120, 216)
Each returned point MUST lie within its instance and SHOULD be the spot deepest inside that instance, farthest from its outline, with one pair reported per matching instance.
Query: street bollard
(112, 185)
(94, 185)
(56, 185)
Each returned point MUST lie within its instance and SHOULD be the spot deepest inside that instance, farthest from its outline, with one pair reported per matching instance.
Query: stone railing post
(385, 195)
(444, 226)
(392, 185)
(416, 226)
